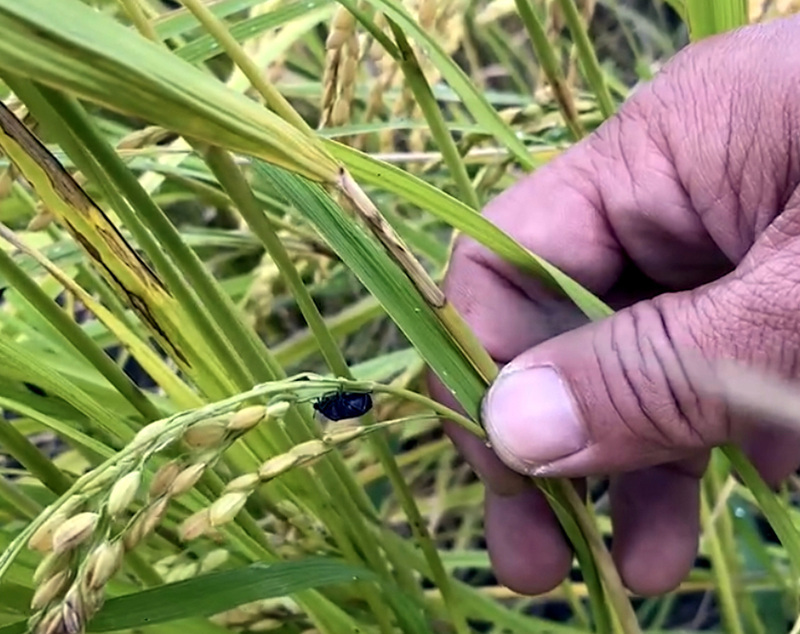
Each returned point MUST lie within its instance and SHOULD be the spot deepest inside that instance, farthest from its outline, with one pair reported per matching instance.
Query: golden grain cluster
(117, 506)
(86, 537)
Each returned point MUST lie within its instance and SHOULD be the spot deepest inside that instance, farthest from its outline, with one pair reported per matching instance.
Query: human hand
(683, 210)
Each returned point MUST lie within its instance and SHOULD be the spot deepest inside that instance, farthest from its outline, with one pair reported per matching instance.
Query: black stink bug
(341, 405)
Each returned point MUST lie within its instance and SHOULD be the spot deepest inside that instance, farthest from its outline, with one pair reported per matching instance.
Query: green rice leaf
(366, 258)
(70, 47)
(213, 593)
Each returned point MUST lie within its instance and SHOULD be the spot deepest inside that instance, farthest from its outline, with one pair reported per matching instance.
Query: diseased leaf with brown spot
(115, 258)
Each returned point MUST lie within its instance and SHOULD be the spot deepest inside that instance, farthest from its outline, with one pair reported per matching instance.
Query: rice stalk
(273, 98)
(565, 501)
(720, 567)
(430, 15)
(586, 9)
(578, 26)
(305, 454)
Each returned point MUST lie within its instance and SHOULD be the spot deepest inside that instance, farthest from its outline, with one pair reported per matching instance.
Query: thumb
(614, 395)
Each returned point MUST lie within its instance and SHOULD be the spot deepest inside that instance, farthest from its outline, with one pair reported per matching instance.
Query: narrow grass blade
(17, 445)
(217, 592)
(213, 593)
(772, 507)
(416, 80)
(22, 365)
(71, 47)
(587, 56)
(180, 21)
(708, 18)
(72, 333)
(65, 430)
(205, 46)
(719, 561)
(180, 393)
(549, 62)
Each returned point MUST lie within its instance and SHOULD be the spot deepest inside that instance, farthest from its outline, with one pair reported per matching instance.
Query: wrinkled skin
(683, 212)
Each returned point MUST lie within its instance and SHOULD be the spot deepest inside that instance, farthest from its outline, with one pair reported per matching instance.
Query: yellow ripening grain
(761, 10)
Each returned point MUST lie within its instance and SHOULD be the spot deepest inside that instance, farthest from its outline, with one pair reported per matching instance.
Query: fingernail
(531, 418)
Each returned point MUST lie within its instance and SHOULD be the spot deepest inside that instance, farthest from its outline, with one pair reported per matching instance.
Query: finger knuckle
(647, 382)
(758, 312)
